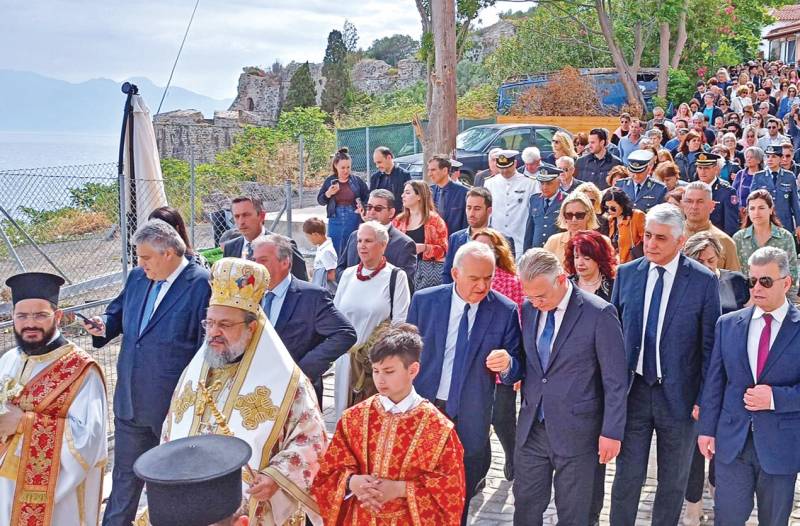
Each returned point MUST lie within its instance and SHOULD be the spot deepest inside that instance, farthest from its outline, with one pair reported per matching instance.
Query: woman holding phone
(342, 195)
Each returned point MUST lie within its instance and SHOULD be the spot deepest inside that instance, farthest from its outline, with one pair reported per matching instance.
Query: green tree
(336, 73)
(350, 36)
(302, 92)
(392, 49)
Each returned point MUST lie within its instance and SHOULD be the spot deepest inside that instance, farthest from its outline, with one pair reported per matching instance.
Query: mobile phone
(93, 324)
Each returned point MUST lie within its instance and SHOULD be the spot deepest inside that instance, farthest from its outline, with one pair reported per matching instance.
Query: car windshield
(474, 139)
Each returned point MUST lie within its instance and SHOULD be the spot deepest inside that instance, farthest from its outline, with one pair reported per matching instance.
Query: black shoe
(508, 471)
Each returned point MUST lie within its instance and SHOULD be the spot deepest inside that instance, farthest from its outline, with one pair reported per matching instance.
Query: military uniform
(726, 210)
(783, 187)
(648, 193)
(510, 199)
(543, 211)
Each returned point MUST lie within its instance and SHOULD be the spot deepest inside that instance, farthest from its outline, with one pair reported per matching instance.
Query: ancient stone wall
(183, 132)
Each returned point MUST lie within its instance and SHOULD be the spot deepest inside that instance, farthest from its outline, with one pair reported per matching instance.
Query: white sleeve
(402, 298)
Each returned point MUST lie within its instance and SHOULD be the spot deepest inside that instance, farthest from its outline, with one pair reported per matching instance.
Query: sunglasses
(611, 208)
(765, 281)
(772, 127)
(377, 208)
(569, 216)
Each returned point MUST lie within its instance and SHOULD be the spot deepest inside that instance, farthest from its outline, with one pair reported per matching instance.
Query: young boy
(324, 273)
(395, 458)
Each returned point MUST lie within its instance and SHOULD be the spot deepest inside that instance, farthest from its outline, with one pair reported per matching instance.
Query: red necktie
(763, 345)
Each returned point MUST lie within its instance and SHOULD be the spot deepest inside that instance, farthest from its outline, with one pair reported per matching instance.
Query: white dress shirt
(652, 277)
(246, 243)
(510, 200)
(277, 302)
(754, 333)
(403, 406)
(456, 311)
(168, 283)
(561, 309)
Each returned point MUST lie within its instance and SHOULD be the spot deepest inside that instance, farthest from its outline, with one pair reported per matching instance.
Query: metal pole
(366, 152)
(11, 250)
(288, 189)
(123, 224)
(302, 146)
(191, 202)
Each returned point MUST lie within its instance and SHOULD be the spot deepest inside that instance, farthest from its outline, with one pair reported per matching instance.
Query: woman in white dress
(363, 296)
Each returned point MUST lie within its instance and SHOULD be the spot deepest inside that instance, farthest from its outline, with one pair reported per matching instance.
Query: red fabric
(508, 285)
(763, 345)
(420, 447)
(435, 236)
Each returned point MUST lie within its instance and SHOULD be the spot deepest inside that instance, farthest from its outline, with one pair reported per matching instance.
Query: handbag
(637, 250)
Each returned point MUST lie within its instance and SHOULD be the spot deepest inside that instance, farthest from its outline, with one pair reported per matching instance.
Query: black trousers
(697, 476)
(504, 421)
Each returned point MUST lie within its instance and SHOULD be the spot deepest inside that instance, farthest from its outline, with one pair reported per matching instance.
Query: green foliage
(478, 103)
(470, 75)
(97, 197)
(385, 108)
(680, 87)
(350, 36)
(302, 92)
(392, 49)
(336, 73)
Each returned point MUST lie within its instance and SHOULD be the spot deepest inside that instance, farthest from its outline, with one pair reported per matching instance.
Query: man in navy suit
(249, 214)
(449, 196)
(668, 305)
(644, 191)
(478, 210)
(751, 400)
(159, 315)
(574, 389)
(470, 333)
(311, 328)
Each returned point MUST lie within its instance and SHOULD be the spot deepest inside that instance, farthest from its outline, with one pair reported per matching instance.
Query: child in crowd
(324, 273)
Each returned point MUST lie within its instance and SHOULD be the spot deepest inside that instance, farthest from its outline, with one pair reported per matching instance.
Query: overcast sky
(76, 40)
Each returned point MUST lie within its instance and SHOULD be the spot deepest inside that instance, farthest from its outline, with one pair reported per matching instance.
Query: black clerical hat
(193, 481)
(35, 285)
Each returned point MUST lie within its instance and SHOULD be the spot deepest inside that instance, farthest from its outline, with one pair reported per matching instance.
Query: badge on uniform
(734, 200)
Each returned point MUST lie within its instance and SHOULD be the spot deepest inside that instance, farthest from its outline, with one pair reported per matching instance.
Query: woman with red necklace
(371, 295)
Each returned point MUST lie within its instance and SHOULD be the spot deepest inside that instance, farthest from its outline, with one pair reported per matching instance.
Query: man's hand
(608, 449)
(390, 489)
(498, 360)
(696, 413)
(98, 329)
(420, 248)
(758, 398)
(707, 446)
(263, 488)
(10, 420)
(363, 487)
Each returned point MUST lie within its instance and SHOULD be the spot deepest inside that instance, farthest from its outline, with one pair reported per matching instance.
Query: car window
(544, 137)
(474, 139)
(517, 139)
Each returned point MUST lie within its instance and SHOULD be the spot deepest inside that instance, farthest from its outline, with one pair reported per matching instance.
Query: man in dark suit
(668, 305)
(574, 389)
(491, 171)
(595, 165)
(388, 175)
(644, 191)
(478, 209)
(751, 399)
(567, 176)
(249, 215)
(159, 315)
(401, 250)
(449, 196)
(311, 328)
(470, 334)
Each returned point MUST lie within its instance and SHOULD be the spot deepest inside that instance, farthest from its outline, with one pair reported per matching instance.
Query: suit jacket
(496, 326)
(687, 334)
(314, 332)
(456, 241)
(233, 248)
(723, 416)
(149, 366)
(400, 252)
(651, 194)
(584, 389)
(453, 200)
(395, 181)
(542, 219)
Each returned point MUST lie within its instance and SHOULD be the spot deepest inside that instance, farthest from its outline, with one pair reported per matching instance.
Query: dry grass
(566, 93)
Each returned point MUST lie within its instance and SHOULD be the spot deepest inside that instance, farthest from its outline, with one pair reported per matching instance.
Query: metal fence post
(288, 190)
(191, 196)
(123, 225)
(366, 151)
(302, 146)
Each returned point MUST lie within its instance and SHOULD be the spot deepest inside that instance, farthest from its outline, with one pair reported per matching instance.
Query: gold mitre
(239, 283)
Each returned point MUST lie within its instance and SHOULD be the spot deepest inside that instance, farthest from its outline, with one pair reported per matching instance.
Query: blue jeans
(344, 222)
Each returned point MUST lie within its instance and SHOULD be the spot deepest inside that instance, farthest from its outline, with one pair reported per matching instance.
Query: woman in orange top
(625, 224)
(420, 222)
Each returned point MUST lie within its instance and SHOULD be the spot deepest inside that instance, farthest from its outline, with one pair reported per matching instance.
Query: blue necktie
(150, 304)
(266, 304)
(651, 330)
(544, 346)
(636, 192)
(249, 251)
(439, 199)
(456, 377)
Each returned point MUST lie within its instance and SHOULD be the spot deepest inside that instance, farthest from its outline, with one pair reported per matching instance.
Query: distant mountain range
(33, 102)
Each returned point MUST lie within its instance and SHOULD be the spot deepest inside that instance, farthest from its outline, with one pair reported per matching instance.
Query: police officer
(511, 192)
(544, 207)
(644, 192)
(726, 209)
(783, 187)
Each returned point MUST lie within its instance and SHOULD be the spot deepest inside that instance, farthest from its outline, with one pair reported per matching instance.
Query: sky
(77, 40)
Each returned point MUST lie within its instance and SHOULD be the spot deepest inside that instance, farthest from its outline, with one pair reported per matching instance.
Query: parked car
(473, 146)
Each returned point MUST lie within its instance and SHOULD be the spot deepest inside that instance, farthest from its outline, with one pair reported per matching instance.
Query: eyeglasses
(377, 208)
(569, 216)
(787, 156)
(773, 127)
(36, 316)
(611, 208)
(223, 325)
(765, 281)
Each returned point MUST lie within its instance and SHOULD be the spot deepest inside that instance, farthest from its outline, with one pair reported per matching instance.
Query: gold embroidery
(208, 392)
(183, 402)
(80, 492)
(75, 452)
(256, 408)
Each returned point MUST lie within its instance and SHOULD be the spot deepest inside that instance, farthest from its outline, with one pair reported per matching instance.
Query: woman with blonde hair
(576, 214)
(562, 147)
(684, 112)
(741, 98)
(594, 194)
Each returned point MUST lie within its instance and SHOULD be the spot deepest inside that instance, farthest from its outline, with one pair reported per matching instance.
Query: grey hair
(569, 161)
(756, 152)
(669, 215)
(700, 185)
(701, 241)
(381, 231)
(538, 262)
(282, 244)
(531, 154)
(473, 248)
(766, 255)
(161, 236)
(383, 193)
(249, 317)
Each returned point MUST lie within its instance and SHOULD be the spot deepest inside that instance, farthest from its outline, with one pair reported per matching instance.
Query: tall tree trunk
(440, 137)
(680, 41)
(663, 58)
(628, 77)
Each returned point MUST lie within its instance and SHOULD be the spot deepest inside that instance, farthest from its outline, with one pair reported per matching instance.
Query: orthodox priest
(244, 383)
(53, 443)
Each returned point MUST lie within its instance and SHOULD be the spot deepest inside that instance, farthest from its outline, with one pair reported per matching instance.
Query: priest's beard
(39, 345)
(231, 353)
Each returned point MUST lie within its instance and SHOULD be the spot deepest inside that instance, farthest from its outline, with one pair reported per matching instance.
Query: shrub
(565, 93)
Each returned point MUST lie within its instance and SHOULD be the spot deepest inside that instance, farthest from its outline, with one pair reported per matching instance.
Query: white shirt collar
(458, 302)
(283, 286)
(562, 305)
(671, 267)
(406, 404)
(177, 272)
(778, 314)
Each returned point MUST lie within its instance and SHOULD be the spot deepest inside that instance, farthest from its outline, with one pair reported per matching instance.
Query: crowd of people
(631, 283)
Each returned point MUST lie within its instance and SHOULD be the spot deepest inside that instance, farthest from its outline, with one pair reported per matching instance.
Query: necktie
(650, 369)
(763, 345)
(457, 375)
(775, 179)
(439, 199)
(266, 303)
(546, 204)
(149, 305)
(249, 251)
(545, 346)
(638, 189)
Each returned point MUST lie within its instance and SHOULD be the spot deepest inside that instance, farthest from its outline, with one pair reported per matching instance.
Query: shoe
(693, 513)
(508, 471)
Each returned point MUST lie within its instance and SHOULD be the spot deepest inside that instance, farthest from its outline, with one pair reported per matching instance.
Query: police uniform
(648, 193)
(783, 187)
(726, 209)
(510, 200)
(543, 211)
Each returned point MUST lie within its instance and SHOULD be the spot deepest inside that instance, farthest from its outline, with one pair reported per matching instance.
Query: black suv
(473, 145)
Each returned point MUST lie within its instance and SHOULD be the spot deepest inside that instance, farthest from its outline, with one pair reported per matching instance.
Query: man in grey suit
(574, 387)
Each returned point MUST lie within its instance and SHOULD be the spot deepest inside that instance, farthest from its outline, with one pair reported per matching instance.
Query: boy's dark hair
(314, 225)
(401, 340)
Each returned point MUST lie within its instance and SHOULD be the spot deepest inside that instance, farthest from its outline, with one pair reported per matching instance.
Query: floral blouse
(435, 236)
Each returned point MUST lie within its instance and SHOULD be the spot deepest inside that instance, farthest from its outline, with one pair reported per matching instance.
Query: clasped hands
(373, 492)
